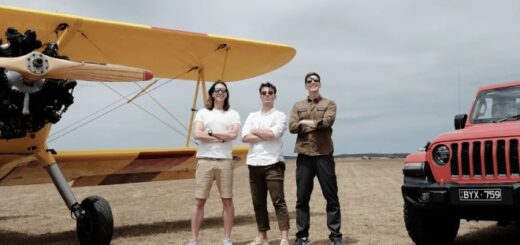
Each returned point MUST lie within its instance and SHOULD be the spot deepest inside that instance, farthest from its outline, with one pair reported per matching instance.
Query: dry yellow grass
(159, 213)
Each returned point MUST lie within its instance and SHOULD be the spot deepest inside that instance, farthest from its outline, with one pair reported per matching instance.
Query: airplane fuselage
(29, 144)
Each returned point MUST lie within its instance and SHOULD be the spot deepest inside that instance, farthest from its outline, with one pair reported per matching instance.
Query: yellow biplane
(36, 84)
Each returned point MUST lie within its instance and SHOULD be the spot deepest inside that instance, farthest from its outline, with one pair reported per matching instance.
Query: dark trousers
(261, 180)
(307, 167)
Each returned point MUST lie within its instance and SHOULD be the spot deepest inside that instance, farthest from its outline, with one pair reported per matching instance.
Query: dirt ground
(159, 212)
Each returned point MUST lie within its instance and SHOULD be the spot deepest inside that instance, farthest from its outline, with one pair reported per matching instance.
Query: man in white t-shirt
(215, 127)
(263, 130)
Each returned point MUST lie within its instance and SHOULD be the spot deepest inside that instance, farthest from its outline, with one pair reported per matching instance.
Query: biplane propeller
(36, 86)
(35, 66)
(28, 73)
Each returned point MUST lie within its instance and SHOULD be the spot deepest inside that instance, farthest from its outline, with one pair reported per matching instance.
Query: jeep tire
(427, 227)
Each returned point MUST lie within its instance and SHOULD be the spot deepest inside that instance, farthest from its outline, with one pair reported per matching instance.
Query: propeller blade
(64, 69)
(18, 64)
(36, 65)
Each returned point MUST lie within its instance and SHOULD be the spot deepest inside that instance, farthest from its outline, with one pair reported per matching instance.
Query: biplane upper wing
(168, 53)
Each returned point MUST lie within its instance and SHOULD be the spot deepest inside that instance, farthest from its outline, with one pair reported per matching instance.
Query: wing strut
(142, 91)
(200, 80)
(66, 32)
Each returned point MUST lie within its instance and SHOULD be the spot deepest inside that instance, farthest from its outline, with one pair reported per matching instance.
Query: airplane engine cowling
(26, 107)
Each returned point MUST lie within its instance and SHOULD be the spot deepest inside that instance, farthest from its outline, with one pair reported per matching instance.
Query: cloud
(398, 70)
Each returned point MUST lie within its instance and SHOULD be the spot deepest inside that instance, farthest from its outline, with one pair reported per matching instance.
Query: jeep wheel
(430, 227)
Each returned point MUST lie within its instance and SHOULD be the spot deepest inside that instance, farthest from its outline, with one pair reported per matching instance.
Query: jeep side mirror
(460, 121)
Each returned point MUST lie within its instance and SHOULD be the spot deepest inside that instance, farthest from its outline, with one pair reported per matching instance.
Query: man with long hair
(215, 127)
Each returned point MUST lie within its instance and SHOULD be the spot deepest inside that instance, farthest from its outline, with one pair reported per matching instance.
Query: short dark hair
(267, 85)
(310, 74)
(210, 102)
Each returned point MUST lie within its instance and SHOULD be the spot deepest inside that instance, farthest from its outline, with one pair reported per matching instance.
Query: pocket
(303, 113)
(276, 172)
(320, 112)
(281, 165)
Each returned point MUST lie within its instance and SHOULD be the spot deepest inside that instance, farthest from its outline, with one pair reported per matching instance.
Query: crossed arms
(251, 134)
(201, 134)
(297, 125)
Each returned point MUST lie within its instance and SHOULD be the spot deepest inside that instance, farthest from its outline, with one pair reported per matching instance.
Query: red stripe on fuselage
(148, 162)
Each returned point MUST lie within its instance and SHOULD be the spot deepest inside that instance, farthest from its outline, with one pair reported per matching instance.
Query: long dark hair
(210, 102)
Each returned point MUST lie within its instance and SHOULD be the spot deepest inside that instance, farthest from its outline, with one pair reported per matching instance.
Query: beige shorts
(221, 171)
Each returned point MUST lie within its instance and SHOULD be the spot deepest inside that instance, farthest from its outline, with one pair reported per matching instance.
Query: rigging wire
(144, 90)
(139, 93)
(51, 138)
(96, 47)
(88, 116)
(59, 134)
(165, 109)
(99, 110)
(149, 113)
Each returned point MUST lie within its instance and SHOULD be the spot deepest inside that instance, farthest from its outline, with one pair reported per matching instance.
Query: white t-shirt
(216, 120)
(268, 152)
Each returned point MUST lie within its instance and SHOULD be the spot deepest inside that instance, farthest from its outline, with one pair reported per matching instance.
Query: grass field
(159, 212)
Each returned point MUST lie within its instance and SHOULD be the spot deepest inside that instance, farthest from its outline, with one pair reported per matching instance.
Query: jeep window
(496, 104)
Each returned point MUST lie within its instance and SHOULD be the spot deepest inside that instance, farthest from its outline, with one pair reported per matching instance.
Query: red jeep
(471, 173)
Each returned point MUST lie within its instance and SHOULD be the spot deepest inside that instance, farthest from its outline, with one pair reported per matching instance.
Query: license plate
(480, 195)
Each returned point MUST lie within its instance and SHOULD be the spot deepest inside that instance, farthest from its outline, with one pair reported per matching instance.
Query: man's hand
(263, 133)
(308, 123)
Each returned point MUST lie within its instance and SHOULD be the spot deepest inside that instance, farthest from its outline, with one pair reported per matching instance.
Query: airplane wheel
(97, 225)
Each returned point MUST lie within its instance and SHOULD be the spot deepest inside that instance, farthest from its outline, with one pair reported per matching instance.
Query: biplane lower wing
(107, 167)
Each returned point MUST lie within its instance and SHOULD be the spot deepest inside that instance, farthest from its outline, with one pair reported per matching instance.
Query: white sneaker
(284, 242)
(258, 241)
(227, 242)
(193, 242)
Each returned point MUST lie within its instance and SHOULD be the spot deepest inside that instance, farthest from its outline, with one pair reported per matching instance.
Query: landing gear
(97, 225)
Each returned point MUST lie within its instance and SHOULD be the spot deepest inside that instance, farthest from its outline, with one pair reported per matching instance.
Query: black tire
(97, 225)
(427, 227)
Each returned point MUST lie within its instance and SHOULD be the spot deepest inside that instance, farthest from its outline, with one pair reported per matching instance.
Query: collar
(267, 113)
(317, 100)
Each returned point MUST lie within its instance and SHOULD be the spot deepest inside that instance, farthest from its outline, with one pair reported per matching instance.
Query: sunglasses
(220, 91)
(312, 78)
(264, 93)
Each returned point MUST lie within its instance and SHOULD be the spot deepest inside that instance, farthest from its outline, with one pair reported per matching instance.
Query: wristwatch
(210, 132)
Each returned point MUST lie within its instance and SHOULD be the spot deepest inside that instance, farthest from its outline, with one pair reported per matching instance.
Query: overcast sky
(398, 70)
